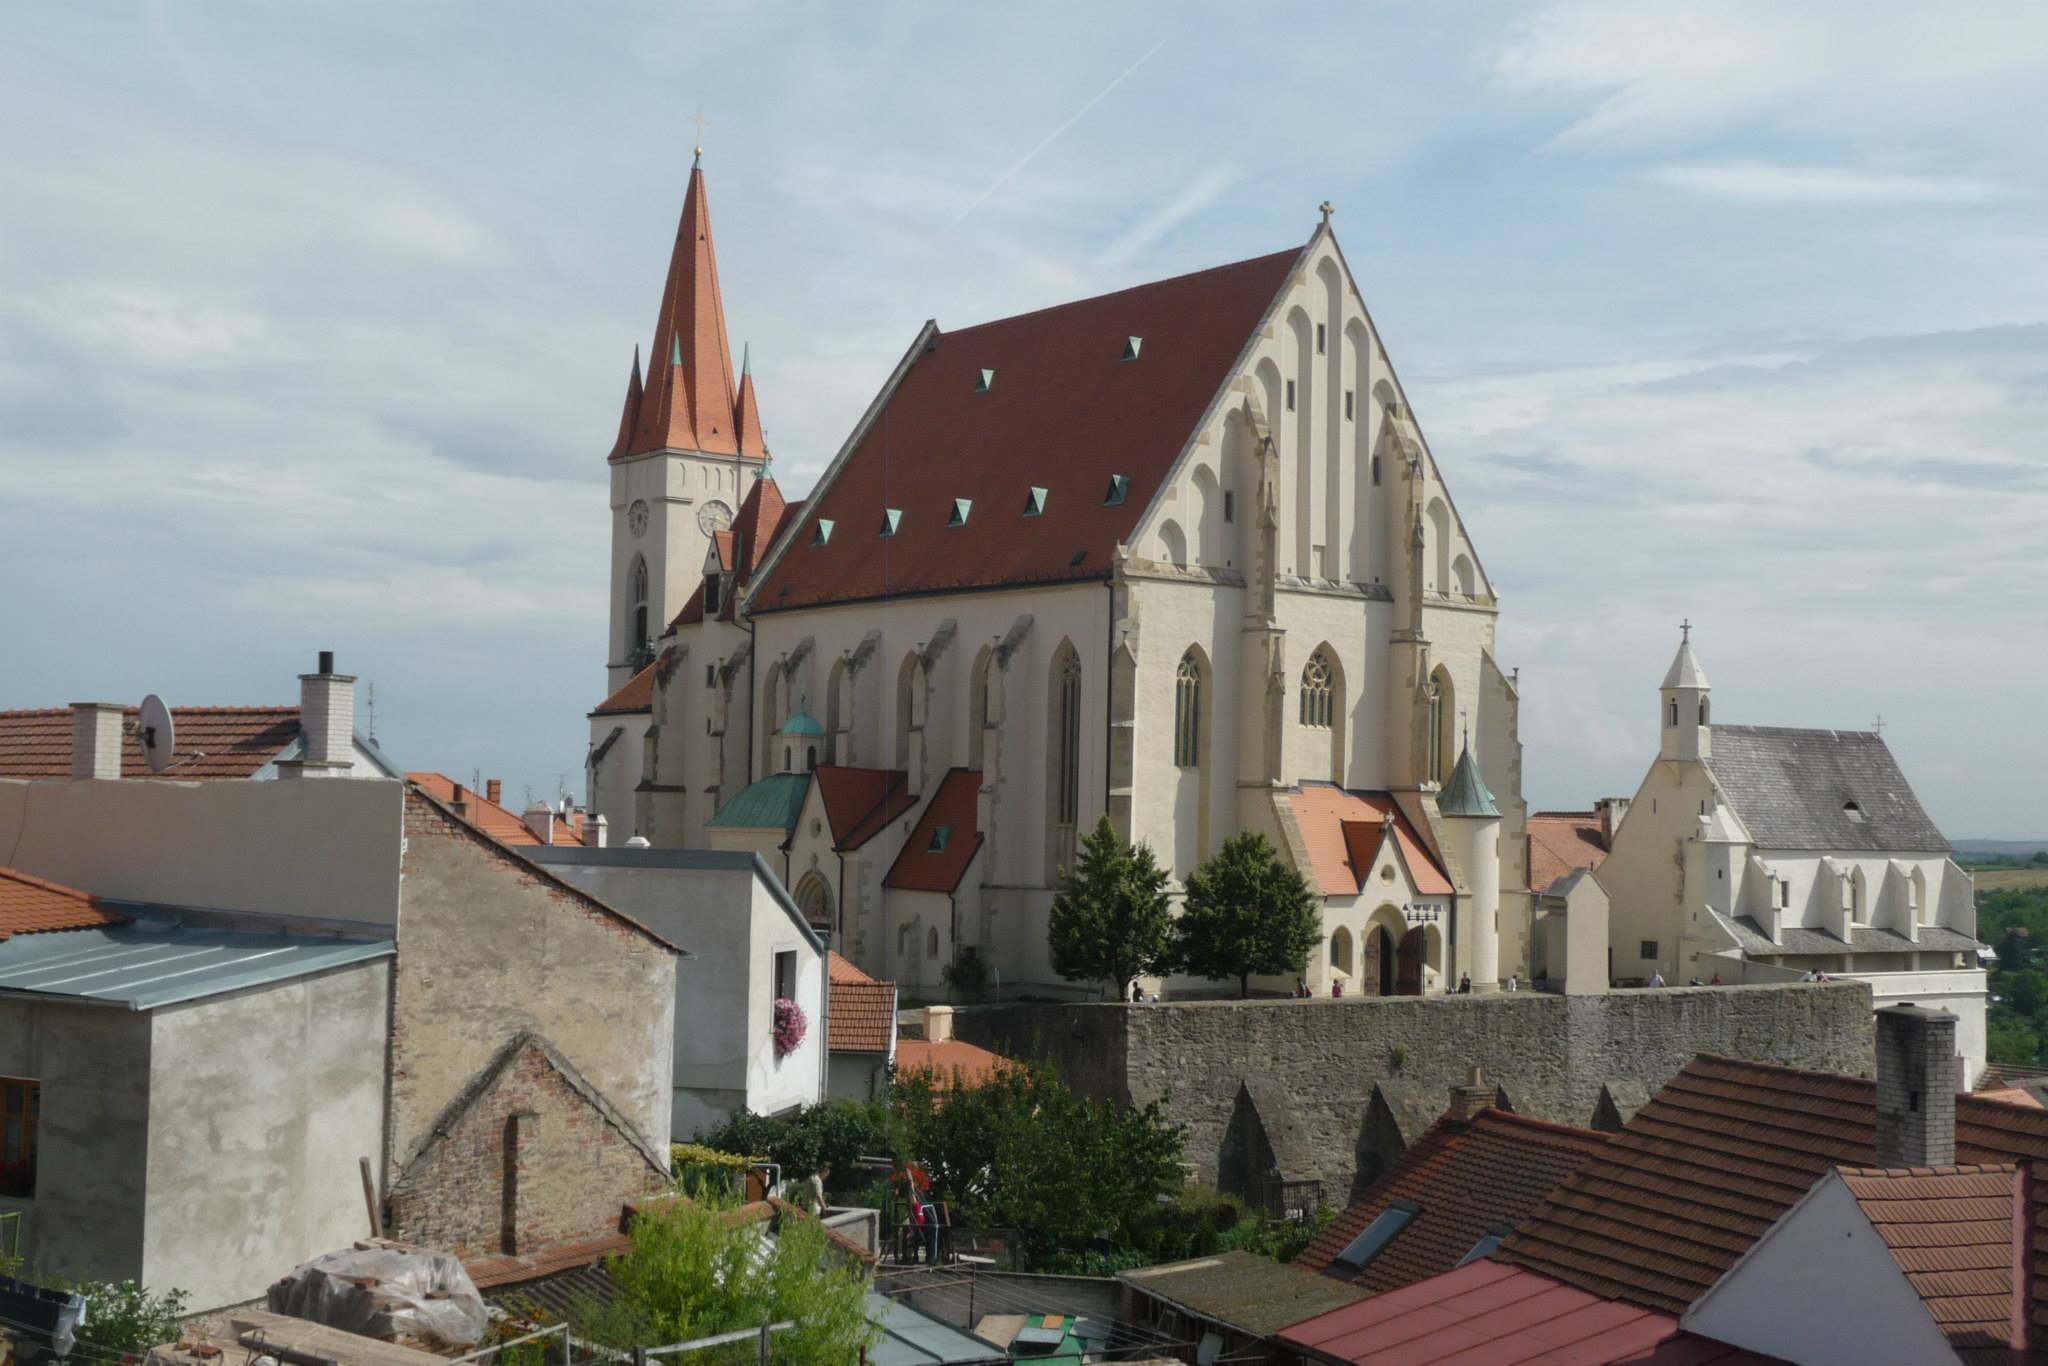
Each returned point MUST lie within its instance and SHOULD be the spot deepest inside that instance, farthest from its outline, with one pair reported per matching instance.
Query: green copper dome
(803, 723)
(1465, 794)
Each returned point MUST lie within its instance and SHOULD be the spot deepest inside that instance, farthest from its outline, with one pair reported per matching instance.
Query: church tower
(1683, 703)
(689, 448)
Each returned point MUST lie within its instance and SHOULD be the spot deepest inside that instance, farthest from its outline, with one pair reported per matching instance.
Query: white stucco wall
(314, 850)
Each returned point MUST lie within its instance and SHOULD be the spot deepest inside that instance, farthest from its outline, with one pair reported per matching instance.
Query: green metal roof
(803, 723)
(771, 804)
(1465, 794)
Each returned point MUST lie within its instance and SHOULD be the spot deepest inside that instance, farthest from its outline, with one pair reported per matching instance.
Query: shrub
(124, 1317)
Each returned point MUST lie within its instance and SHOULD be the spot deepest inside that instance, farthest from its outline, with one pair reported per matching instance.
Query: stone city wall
(1338, 1086)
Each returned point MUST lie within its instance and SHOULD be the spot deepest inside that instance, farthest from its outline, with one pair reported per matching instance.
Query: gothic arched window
(1187, 712)
(638, 597)
(1318, 693)
(1067, 743)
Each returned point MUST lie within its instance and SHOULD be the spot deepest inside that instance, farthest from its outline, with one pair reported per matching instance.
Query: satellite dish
(156, 732)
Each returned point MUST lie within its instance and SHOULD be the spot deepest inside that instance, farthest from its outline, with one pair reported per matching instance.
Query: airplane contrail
(1053, 136)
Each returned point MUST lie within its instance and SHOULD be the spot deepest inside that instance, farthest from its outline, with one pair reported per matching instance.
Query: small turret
(1682, 706)
(1472, 827)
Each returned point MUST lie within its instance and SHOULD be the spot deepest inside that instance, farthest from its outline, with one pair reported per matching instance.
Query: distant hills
(1993, 848)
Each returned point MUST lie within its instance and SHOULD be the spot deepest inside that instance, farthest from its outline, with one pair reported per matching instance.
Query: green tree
(1247, 913)
(122, 1316)
(1111, 921)
(695, 1270)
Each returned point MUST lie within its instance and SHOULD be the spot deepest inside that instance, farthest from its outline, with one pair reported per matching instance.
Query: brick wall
(1324, 1062)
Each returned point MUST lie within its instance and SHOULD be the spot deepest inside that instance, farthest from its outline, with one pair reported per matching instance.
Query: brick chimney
(494, 791)
(327, 719)
(1916, 1087)
(1469, 1099)
(96, 739)
(1610, 810)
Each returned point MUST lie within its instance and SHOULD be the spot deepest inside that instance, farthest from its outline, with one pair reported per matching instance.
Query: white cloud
(1769, 182)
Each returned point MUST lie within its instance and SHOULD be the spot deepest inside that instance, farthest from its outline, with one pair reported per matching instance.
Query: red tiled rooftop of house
(1950, 1229)
(1469, 1178)
(944, 840)
(1341, 856)
(30, 905)
(947, 1060)
(1712, 1161)
(860, 802)
(990, 412)
(212, 742)
(493, 818)
(1486, 1314)
(1561, 842)
(860, 1011)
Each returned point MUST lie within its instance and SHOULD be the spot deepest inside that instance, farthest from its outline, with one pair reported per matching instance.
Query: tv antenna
(156, 732)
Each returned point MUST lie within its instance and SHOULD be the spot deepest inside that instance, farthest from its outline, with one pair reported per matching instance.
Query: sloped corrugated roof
(1793, 789)
(144, 966)
(1040, 400)
(1242, 1289)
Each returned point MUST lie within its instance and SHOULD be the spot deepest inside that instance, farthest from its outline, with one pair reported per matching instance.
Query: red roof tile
(947, 1060)
(1486, 1314)
(741, 547)
(1061, 412)
(860, 802)
(920, 867)
(841, 970)
(1950, 1229)
(29, 905)
(636, 694)
(212, 742)
(860, 1016)
(1340, 855)
(1561, 842)
(494, 820)
(1712, 1161)
(1469, 1178)
(689, 401)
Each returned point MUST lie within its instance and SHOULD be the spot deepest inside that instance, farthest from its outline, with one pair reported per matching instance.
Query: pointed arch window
(637, 625)
(1067, 744)
(1187, 712)
(1439, 705)
(1318, 692)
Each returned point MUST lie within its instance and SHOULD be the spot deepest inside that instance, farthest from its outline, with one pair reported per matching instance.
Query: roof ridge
(267, 709)
(62, 889)
(1260, 259)
(1495, 1114)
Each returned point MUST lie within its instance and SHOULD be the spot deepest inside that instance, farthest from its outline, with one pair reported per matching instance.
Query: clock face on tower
(713, 516)
(636, 516)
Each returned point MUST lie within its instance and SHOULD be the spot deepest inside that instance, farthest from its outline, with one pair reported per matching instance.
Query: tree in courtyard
(1110, 920)
(1247, 912)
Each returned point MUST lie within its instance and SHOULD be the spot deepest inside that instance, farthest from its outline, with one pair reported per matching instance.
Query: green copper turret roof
(803, 723)
(1465, 794)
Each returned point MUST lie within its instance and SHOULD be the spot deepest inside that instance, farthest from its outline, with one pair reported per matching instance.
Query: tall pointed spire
(747, 417)
(629, 418)
(690, 401)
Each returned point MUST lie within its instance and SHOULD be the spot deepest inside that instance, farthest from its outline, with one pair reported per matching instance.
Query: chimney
(1916, 1087)
(540, 819)
(96, 739)
(597, 823)
(1611, 810)
(327, 719)
(458, 801)
(1468, 1100)
(938, 1024)
(494, 792)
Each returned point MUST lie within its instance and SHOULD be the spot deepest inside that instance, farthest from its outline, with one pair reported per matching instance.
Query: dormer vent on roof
(1119, 485)
(822, 532)
(1034, 502)
(940, 835)
(891, 519)
(961, 507)
(1133, 345)
(985, 382)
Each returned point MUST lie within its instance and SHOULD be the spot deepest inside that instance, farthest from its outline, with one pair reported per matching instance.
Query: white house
(1763, 853)
(749, 949)
(1178, 555)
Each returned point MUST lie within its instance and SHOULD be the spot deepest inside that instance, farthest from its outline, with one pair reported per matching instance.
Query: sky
(314, 324)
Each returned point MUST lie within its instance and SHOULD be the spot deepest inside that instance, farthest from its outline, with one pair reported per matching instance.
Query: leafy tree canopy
(1111, 921)
(1248, 912)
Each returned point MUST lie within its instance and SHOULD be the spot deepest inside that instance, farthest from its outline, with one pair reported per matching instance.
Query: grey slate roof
(1253, 1294)
(1803, 939)
(1791, 788)
(149, 963)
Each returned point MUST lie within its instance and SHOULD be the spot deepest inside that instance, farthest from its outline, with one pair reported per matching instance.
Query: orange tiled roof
(841, 969)
(1561, 842)
(636, 694)
(860, 1016)
(2011, 1095)
(741, 547)
(921, 868)
(212, 742)
(860, 802)
(495, 820)
(1950, 1229)
(948, 1059)
(941, 434)
(1324, 813)
(1717, 1156)
(30, 905)
(1468, 1178)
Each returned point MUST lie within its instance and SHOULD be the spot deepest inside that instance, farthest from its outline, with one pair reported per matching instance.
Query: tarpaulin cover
(386, 1292)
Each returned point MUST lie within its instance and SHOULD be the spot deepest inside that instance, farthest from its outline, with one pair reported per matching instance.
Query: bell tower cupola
(1682, 706)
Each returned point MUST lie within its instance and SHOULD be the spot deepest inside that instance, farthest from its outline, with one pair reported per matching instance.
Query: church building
(1178, 554)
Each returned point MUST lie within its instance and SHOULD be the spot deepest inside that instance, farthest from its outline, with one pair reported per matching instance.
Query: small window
(931, 942)
(1119, 487)
(21, 1105)
(1322, 338)
(1853, 812)
(1672, 715)
(1133, 345)
(1229, 506)
(1375, 471)
(1785, 893)
(1492, 1239)
(1648, 951)
(961, 507)
(1034, 502)
(811, 759)
(784, 975)
(985, 382)
(1369, 1244)
(1350, 405)
(892, 518)
(710, 675)
(1290, 396)
(822, 533)
(711, 596)
(942, 835)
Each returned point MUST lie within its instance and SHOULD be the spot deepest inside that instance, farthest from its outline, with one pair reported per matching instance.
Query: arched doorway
(1408, 964)
(814, 899)
(1377, 971)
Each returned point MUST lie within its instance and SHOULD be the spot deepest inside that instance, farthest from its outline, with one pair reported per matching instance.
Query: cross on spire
(1326, 209)
(702, 123)
(1685, 629)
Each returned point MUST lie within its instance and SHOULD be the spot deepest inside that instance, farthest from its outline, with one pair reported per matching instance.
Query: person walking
(1657, 979)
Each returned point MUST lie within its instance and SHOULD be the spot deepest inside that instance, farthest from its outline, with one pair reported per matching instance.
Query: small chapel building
(1178, 554)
